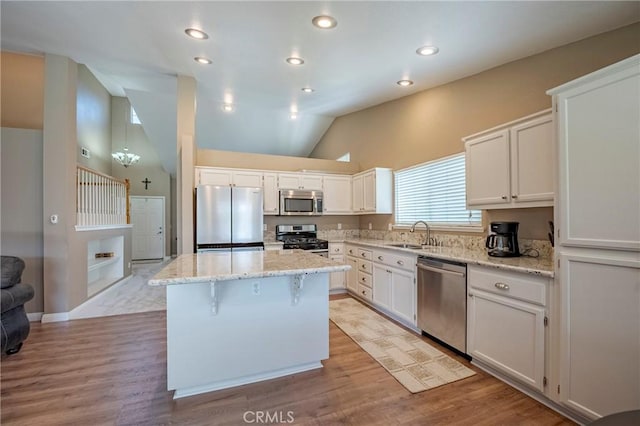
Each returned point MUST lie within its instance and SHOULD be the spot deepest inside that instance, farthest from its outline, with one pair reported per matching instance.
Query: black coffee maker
(503, 242)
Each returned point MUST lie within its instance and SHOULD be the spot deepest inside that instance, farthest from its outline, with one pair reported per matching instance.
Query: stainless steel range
(302, 237)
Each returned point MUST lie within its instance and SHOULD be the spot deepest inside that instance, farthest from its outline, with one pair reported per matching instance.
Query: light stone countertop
(224, 266)
(542, 266)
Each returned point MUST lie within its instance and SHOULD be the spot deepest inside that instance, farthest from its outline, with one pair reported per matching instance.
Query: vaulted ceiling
(136, 49)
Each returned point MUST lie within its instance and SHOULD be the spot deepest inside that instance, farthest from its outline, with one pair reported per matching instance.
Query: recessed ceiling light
(295, 61)
(404, 83)
(427, 50)
(227, 107)
(197, 34)
(202, 60)
(293, 115)
(324, 22)
(307, 89)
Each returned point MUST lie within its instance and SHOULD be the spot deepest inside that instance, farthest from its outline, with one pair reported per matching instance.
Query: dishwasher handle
(440, 271)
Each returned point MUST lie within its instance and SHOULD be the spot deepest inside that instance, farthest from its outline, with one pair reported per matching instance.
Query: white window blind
(434, 192)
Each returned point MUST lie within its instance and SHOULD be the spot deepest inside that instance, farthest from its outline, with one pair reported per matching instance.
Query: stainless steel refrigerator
(228, 218)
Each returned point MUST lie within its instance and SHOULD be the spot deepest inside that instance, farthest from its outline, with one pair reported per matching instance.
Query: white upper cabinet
(220, 177)
(599, 161)
(337, 194)
(532, 176)
(228, 177)
(372, 191)
(271, 195)
(487, 160)
(511, 165)
(299, 181)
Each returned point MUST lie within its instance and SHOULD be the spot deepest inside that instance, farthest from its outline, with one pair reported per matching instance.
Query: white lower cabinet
(506, 323)
(352, 274)
(337, 279)
(599, 333)
(403, 295)
(382, 282)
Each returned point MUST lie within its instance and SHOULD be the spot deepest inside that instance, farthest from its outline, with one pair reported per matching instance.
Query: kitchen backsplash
(470, 242)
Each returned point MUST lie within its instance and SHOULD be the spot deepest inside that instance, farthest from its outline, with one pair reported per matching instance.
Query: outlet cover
(339, 226)
(370, 226)
(85, 152)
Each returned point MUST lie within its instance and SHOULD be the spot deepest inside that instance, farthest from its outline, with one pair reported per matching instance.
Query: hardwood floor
(112, 370)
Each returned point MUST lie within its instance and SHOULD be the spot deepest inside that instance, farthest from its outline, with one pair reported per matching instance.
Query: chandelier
(125, 157)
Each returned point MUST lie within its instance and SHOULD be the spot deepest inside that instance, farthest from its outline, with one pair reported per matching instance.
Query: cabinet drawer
(365, 266)
(395, 260)
(336, 248)
(351, 251)
(365, 292)
(365, 279)
(510, 284)
(364, 254)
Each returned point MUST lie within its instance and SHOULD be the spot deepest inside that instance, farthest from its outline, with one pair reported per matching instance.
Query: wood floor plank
(112, 370)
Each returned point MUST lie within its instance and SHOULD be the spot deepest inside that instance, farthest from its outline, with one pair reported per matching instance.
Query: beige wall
(149, 166)
(21, 227)
(186, 151)
(324, 223)
(22, 98)
(94, 121)
(65, 249)
(240, 160)
(430, 124)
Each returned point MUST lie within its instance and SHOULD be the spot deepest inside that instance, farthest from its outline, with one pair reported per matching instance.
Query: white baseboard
(35, 316)
(59, 316)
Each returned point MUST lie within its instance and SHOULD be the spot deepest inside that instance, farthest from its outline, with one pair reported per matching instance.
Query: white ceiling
(136, 49)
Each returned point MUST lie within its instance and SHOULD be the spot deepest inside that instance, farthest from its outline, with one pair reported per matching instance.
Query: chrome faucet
(427, 240)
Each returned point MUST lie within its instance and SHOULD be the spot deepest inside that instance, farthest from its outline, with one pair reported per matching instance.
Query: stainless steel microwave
(297, 202)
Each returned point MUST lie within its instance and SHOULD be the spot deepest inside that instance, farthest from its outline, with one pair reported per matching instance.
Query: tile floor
(129, 296)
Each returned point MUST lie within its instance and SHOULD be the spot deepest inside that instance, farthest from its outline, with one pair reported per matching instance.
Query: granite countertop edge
(246, 275)
(539, 266)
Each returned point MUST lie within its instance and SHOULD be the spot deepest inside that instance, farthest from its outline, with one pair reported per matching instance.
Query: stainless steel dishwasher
(442, 301)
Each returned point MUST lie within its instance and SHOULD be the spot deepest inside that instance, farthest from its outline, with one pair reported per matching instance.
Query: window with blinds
(434, 192)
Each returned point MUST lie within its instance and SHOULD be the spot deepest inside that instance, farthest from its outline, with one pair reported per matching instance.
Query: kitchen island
(243, 317)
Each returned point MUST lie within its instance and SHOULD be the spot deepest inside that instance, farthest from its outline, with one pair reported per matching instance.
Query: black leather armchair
(14, 323)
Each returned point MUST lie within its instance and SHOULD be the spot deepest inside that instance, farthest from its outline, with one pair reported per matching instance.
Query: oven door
(323, 253)
(300, 203)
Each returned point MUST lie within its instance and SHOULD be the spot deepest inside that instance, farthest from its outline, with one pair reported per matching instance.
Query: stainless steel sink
(407, 246)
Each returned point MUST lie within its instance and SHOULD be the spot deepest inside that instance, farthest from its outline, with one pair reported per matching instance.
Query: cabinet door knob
(380, 258)
(504, 197)
(502, 286)
(400, 262)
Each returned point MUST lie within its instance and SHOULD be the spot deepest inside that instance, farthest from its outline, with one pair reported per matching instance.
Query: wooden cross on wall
(146, 182)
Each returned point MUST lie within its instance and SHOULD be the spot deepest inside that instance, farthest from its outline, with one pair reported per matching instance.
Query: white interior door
(147, 218)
